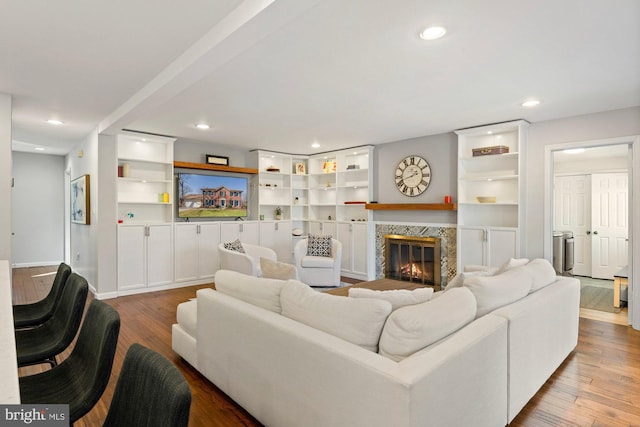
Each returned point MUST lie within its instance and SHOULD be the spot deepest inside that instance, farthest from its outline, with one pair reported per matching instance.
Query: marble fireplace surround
(446, 233)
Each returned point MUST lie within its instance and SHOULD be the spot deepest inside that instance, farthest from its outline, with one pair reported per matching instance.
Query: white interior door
(609, 218)
(573, 213)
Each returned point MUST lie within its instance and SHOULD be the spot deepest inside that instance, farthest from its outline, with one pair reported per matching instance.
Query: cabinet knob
(595, 232)
(588, 233)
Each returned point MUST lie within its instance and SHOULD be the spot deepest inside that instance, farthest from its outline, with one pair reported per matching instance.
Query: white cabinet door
(246, 231)
(502, 245)
(359, 239)
(159, 254)
(353, 236)
(471, 246)
(345, 237)
(208, 241)
(277, 236)
(186, 250)
(131, 256)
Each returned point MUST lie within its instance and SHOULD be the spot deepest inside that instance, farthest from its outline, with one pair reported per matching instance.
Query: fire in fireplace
(413, 259)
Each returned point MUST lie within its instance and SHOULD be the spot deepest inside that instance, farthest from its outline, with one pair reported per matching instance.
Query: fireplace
(412, 259)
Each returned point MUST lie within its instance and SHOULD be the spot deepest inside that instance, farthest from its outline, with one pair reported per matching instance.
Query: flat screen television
(211, 196)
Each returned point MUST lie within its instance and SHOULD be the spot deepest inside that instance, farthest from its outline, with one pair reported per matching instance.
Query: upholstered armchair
(247, 262)
(317, 270)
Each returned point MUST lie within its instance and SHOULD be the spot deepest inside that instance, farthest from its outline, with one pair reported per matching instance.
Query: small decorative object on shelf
(447, 199)
(296, 200)
(278, 212)
(351, 167)
(301, 168)
(217, 160)
(273, 169)
(329, 166)
(125, 170)
(485, 151)
(486, 199)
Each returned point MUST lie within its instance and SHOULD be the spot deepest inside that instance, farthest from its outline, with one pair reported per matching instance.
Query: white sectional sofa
(291, 358)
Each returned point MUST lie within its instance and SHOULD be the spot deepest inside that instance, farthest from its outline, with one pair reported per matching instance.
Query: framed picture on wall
(80, 212)
(301, 168)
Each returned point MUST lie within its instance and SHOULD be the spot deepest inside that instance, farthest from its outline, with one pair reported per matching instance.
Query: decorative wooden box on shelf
(412, 206)
(221, 168)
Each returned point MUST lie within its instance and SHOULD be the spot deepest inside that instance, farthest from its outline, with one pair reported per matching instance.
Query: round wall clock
(413, 175)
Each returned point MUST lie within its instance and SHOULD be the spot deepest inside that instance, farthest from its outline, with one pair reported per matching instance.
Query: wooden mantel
(412, 206)
(220, 168)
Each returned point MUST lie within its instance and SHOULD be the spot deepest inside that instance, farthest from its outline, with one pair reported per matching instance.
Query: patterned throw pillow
(236, 245)
(319, 245)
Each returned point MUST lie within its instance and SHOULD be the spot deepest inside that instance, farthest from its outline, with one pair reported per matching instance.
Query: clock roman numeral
(412, 161)
(411, 191)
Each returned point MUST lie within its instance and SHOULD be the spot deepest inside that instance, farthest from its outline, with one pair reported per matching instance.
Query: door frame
(634, 206)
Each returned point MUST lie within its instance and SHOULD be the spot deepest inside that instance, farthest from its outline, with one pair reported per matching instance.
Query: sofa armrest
(282, 372)
(543, 330)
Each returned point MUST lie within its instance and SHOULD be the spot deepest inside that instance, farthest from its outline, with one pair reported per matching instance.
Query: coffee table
(378, 285)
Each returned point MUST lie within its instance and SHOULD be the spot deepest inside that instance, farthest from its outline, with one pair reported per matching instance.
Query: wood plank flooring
(597, 385)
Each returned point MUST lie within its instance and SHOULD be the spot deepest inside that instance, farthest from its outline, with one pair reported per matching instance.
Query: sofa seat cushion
(397, 297)
(261, 292)
(415, 327)
(316, 262)
(357, 320)
(496, 291)
(187, 316)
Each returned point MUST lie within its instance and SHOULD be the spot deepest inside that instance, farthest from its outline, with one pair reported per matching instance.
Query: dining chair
(42, 343)
(80, 379)
(34, 314)
(150, 392)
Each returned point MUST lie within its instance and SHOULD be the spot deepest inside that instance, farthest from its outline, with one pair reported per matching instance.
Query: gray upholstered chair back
(150, 392)
(30, 315)
(41, 344)
(80, 379)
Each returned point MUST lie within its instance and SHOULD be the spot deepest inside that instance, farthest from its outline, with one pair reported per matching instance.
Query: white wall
(608, 124)
(37, 206)
(441, 152)
(5, 176)
(84, 240)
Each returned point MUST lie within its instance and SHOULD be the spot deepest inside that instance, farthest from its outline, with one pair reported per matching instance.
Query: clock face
(412, 176)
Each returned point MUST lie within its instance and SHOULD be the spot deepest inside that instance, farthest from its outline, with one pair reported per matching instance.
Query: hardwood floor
(597, 385)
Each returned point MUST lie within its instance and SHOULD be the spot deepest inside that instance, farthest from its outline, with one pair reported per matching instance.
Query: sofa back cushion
(357, 320)
(542, 273)
(496, 291)
(258, 291)
(415, 327)
(397, 297)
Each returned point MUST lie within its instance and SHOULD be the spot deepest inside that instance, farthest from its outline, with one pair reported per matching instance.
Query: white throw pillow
(258, 291)
(512, 263)
(277, 270)
(542, 272)
(397, 297)
(357, 320)
(415, 327)
(458, 281)
(496, 291)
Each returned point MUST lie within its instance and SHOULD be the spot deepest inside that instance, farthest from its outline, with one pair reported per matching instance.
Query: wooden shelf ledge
(412, 206)
(219, 168)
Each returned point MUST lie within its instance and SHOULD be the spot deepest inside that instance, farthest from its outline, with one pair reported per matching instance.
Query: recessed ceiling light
(202, 126)
(315, 145)
(54, 122)
(433, 33)
(531, 103)
(39, 149)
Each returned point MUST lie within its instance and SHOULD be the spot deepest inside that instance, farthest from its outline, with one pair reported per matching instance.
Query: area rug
(597, 298)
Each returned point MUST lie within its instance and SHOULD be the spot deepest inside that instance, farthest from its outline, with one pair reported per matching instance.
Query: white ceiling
(281, 74)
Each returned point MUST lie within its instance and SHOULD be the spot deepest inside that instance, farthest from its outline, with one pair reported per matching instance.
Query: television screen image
(211, 196)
